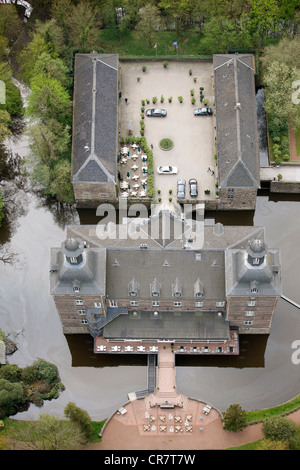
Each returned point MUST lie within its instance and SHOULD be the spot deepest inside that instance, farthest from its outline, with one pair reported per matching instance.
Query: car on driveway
(203, 112)
(156, 113)
(193, 187)
(167, 170)
(180, 189)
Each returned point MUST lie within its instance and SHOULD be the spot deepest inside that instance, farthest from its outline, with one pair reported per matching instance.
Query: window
(83, 321)
(73, 259)
(251, 303)
(133, 293)
(198, 304)
(250, 313)
(254, 290)
(76, 289)
(177, 294)
(97, 305)
(155, 303)
(177, 304)
(248, 322)
(79, 302)
(155, 294)
(255, 260)
(199, 294)
(220, 304)
(81, 312)
(113, 303)
(134, 303)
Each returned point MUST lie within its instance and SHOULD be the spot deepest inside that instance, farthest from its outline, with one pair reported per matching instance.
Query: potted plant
(144, 68)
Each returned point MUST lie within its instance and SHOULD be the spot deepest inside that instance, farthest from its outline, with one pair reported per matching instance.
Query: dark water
(263, 374)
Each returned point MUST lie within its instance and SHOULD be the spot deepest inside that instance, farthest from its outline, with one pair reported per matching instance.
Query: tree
(278, 79)
(265, 16)
(84, 27)
(10, 23)
(11, 395)
(223, 33)
(79, 417)
(60, 182)
(149, 23)
(286, 51)
(50, 433)
(280, 428)
(46, 371)
(53, 67)
(49, 141)
(268, 444)
(48, 99)
(234, 418)
(29, 54)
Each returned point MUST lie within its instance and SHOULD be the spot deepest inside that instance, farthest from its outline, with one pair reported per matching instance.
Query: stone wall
(88, 195)
(239, 199)
(72, 320)
(261, 316)
(284, 187)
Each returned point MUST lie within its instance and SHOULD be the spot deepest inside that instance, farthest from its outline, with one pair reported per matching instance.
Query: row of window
(80, 302)
(156, 303)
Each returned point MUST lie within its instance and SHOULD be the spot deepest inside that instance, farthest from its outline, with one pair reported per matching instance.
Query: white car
(167, 170)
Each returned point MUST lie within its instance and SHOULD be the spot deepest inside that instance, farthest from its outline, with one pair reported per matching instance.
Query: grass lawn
(276, 410)
(126, 44)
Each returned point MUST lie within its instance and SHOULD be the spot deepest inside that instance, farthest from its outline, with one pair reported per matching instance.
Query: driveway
(193, 137)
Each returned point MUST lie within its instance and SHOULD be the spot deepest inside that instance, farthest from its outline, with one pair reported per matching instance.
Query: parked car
(180, 189)
(193, 187)
(203, 112)
(156, 113)
(167, 170)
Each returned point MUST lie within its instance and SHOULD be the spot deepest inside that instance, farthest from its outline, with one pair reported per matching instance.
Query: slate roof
(236, 121)
(242, 274)
(89, 275)
(174, 270)
(166, 325)
(95, 118)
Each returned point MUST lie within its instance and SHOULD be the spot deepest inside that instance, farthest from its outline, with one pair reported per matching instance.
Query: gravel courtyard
(193, 137)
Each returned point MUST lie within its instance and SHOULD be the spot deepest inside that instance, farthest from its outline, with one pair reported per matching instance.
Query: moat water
(262, 375)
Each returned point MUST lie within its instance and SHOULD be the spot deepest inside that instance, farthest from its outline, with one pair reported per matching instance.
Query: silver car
(180, 189)
(156, 113)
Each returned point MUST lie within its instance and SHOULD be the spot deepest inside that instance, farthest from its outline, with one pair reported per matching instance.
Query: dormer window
(73, 260)
(133, 288)
(176, 288)
(198, 289)
(76, 286)
(254, 287)
(155, 288)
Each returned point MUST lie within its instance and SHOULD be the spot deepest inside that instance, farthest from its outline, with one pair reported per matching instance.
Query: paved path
(123, 434)
(148, 426)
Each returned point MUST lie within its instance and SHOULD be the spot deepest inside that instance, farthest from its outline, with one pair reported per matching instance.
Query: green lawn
(125, 44)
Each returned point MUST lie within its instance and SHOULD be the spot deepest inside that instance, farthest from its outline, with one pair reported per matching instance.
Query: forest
(40, 53)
